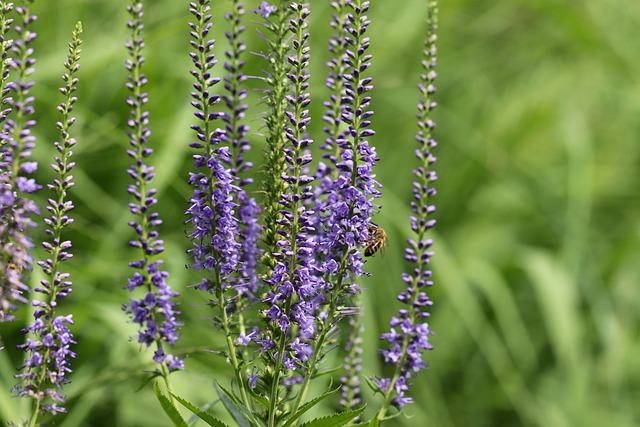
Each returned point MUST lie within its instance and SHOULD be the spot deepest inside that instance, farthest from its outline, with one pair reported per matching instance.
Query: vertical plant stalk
(155, 313)
(47, 362)
(16, 207)
(274, 186)
(215, 229)
(408, 344)
(352, 193)
(293, 285)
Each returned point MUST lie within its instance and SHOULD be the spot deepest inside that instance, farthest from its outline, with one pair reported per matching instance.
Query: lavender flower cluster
(280, 270)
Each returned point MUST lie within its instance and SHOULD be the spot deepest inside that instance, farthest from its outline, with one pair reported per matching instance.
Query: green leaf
(169, 409)
(320, 373)
(335, 420)
(374, 387)
(263, 401)
(239, 413)
(304, 408)
(207, 418)
(375, 422)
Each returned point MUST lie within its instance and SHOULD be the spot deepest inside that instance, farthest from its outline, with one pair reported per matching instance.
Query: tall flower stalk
(48, 347)
(277, 35)
(214, 228)
(408, 337)
(16, 143)
(293, 285)
(155, 312)
(349, 204)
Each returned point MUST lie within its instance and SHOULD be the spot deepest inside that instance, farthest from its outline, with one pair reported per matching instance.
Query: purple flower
(212, 217)
(253, 380)
(156, 312)
(266, 9)
(48, 354)
(408, 336)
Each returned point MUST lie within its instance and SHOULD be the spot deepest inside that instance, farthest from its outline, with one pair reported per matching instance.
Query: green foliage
(169, 408)
(310, 404)
(209, 419)
(335, 420)
(236, 409)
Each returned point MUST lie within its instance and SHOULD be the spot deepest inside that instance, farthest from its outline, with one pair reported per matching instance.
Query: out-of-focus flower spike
(16, 143)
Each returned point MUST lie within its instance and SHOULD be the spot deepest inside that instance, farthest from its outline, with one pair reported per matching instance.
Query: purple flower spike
(351, 193)
(16, 143)
(294, 284)
(155, 312)
(235, 137)
(408, 336)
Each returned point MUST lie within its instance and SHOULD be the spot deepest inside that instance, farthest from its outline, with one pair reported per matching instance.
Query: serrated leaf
(237, 411)
(375, 422)
(169, 409)
(207, 418)
(335, 420)
(304, 408)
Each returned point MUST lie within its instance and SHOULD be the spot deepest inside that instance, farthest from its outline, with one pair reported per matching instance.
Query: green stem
(275, 165)
(230, 344)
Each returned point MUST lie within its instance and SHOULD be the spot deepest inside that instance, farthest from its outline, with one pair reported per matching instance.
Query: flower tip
(266, 9)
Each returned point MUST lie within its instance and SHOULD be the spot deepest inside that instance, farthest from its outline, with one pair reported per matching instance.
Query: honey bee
(377, 240)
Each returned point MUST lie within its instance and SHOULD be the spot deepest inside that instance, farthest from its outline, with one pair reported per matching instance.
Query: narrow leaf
(322, 372)
(235, 408)
(335, 420)
(263, 401)
(374, 387)
(169, 409)
(304, 408)
(375, 422)
(207, 418)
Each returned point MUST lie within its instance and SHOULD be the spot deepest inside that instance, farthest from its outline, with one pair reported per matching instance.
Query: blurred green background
(537, 308)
